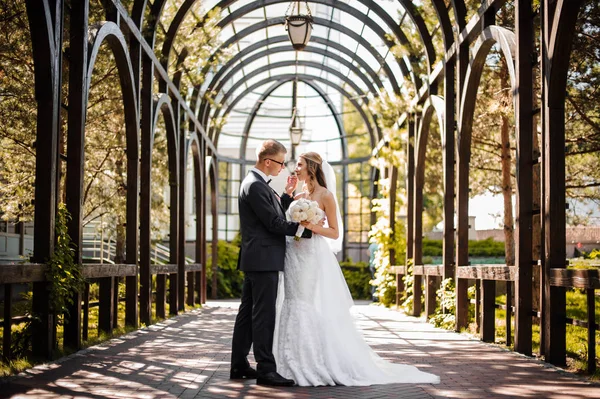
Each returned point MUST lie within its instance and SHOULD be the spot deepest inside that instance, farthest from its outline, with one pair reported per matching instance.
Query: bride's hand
(307, 225)
(312, 226)
(292, 183)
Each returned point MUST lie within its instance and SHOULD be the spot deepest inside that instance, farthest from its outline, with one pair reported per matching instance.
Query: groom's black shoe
(274, 379)
(243, 374)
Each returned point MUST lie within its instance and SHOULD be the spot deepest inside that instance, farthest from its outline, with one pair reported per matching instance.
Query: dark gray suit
(264, 227)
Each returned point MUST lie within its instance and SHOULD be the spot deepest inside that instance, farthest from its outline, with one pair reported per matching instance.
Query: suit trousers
(255, 322)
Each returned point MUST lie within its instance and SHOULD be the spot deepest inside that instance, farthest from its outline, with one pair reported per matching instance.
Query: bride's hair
(314, 167)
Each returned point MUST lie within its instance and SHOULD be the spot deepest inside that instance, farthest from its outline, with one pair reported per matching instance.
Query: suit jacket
(263, 225)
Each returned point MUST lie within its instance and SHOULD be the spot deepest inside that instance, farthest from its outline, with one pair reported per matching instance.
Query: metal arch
(305, 77)
(313, 64)
(278, 21)
(163, 103)
(426, 37)
(445, 23)
(174, 27)
(433, 103)
(274, 87)
(563, 30)
(307, 63)
(471, 79)
(113, 35)
(268, 67)
(371, 5)
(267, 42)
(265, 68)
(179, 74)
(253, 113)
(487, 38)
(460, 14)
(213, 177)
(194, 145)
(403, 63)
(137, 12)
(278, 39)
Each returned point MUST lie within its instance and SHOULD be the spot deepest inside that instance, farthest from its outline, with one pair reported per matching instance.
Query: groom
(264, 227)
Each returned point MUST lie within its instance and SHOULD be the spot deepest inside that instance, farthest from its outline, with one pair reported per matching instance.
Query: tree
(105, 183)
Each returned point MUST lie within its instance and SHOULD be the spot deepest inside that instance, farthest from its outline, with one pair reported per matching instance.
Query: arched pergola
(360, 52)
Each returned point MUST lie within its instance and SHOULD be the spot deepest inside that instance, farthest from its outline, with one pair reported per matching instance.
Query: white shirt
(260, 173)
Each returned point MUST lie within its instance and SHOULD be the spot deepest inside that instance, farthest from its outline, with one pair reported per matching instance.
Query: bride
(316, 341)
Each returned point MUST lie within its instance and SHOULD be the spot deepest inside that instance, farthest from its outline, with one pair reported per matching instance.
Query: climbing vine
(63, 274)
(409, 281)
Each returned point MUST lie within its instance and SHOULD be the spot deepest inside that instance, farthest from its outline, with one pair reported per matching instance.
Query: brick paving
(188, 357)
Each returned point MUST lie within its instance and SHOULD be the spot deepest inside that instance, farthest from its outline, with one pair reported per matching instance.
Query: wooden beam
(7, 323)
(163, 269)
(428, 270)
(94, 270)
(488, 310)
(576, 278)
(193, 267)
(487, 272)
(25, 273)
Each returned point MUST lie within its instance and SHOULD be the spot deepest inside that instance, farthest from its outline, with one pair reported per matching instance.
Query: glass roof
(359, 54)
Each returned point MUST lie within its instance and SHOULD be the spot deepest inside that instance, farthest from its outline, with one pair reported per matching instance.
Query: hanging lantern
(296, 129)
(299, 27)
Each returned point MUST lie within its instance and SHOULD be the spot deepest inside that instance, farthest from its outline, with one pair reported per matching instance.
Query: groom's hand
(292, 182)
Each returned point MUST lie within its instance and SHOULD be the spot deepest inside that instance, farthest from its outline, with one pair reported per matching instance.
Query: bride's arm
(330, 212)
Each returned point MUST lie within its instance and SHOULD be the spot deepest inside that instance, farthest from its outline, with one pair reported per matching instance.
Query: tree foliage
(17, 113)
(105, 168)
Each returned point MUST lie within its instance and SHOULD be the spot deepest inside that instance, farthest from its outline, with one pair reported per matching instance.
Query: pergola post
(558, 29)
(524, 133)
(46, 38)
(78, 68)
(410, 193)
(417, 224)
(146, 110)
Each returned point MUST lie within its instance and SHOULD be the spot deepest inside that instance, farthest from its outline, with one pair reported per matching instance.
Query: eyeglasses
(282, 164)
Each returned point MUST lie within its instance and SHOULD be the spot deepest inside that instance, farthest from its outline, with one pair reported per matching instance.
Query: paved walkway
(188, 357)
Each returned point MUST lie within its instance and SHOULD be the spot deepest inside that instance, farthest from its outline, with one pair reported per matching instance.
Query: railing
(485, 277)
(107, 275)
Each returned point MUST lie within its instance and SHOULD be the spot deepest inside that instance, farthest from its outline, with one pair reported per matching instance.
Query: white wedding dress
(316, 341)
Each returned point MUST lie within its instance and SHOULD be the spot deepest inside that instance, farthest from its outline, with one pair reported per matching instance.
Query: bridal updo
(314, 167)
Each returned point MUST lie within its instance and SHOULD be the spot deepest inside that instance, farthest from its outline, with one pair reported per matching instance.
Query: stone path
(188, 357)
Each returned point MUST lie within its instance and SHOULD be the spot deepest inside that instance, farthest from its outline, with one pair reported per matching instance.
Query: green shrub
(432, 247)
(487, 247)
(229, 278)
(358, 278)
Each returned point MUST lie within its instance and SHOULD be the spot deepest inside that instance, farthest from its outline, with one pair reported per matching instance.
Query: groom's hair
(270, 148)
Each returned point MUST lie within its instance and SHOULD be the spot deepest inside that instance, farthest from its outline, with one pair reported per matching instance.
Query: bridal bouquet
(305, 210)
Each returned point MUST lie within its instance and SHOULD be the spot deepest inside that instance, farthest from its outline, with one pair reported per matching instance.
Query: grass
(576, 337)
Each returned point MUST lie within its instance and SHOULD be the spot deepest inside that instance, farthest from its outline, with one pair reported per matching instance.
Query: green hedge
(357, 277)
(487, 247)
(229, 279)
